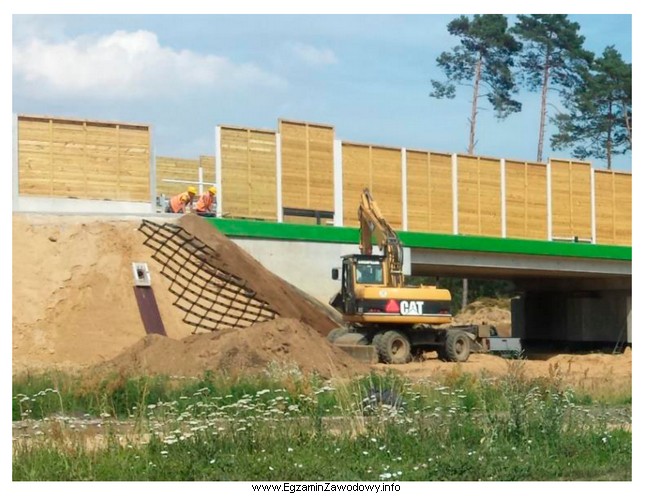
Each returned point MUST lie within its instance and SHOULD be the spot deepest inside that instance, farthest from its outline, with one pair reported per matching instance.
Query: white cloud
(126, 65)
(313, 55)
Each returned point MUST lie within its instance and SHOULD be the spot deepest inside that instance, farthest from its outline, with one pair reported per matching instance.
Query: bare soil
(73, 307)
(73, 301)
(279, 294)
(281, 345)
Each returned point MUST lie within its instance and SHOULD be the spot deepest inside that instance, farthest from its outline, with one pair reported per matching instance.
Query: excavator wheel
(457, 347)
(393, 347)
(334, 334)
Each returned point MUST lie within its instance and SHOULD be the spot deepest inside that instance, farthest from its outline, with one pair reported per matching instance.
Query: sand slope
(73, 302)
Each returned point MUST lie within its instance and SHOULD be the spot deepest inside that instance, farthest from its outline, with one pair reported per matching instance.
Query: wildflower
(385, 475)
(212, 461)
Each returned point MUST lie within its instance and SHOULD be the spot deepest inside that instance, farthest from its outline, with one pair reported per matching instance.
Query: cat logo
(411, 307)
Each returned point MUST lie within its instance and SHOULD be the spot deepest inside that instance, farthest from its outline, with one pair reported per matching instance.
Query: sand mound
(281, 343)
(73, 301)
(73, 298)
(588, 372)
(282, 297)
(487, 311)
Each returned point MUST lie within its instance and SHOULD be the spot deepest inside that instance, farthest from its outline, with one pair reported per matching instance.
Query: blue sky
(368, 75)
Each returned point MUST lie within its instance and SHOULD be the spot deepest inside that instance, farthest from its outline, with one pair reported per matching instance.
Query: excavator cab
(357, 271)
(369, 270)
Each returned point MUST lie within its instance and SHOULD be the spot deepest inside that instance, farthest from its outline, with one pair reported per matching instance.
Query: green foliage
(460, 428)
(552, 57)
(553, 49)
(477, 288)
(599, 123)
(483, 58)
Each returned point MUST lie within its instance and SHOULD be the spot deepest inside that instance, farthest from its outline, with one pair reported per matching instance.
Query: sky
(368, 75)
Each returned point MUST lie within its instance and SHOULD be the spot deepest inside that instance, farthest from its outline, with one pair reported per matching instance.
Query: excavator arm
(373, 222)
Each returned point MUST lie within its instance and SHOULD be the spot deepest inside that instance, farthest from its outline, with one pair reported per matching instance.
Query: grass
(286, 426)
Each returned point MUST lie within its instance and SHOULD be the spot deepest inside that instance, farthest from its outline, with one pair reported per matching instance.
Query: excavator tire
(334, 334)
(457, 346)
(376, 339)
(393, 347)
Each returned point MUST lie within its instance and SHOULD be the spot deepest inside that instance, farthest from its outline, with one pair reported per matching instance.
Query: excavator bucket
(362, 353)
(354, 344)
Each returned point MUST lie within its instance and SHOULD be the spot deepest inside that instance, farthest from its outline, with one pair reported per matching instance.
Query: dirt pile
(73, 302)
(281, 344)
(281, 296)
(487, 311)
(587, 372)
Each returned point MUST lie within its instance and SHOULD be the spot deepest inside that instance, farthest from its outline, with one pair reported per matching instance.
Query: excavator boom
(372, 222)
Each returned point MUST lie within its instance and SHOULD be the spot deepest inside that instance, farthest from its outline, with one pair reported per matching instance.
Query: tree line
(543, 53)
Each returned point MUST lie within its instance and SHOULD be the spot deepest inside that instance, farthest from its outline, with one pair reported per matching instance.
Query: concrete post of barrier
(503, 199)
(454, 191)
(337, 184)
(404, 191)
(218, 170)
(14, 169)
(549, 204)
(279, 172)
(593, 206)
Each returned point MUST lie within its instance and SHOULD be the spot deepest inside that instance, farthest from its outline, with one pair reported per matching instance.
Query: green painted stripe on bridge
(349, 235)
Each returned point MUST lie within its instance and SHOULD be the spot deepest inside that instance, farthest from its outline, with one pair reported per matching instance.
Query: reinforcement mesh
(210, 297)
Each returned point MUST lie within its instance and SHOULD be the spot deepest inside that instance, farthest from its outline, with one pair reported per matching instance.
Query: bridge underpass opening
(557, 300)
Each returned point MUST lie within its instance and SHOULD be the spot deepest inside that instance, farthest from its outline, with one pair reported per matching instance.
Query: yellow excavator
(400, 321)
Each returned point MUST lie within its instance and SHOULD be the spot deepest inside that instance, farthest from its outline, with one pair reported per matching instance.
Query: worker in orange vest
(204, 204)
(177, 204)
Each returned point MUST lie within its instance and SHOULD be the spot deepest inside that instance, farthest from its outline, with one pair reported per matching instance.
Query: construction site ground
(74, 309)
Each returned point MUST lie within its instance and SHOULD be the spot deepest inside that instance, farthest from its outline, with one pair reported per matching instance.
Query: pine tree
(600, 122)
(484, 58)
(552, 58)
